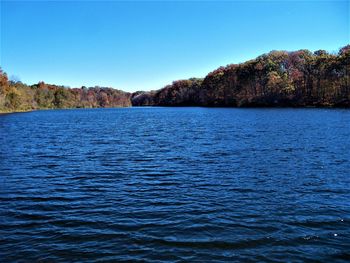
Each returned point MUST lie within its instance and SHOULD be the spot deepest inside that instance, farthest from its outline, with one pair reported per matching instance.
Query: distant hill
(20, 97)
(277, 79)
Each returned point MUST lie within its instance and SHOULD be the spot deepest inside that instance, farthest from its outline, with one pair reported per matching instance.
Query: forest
(16, 96)
(277, 79)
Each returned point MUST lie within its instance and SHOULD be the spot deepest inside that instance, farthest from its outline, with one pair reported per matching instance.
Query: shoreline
(184, 106)
(15, 111)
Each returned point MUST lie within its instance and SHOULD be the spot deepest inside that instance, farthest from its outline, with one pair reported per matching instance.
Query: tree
(13, 99)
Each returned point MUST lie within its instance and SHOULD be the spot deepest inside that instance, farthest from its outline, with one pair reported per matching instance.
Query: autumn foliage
(16, 96)
(279, 78)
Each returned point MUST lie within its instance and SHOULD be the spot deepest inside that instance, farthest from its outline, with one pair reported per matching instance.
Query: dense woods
(16, 96)
(279, 78)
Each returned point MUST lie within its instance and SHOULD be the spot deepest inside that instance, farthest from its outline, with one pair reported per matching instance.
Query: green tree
(13, 100)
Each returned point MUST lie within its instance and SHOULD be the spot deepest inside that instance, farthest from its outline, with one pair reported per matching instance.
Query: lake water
(175, 184)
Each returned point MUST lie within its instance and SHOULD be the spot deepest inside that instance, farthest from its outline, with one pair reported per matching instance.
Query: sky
(145, 45)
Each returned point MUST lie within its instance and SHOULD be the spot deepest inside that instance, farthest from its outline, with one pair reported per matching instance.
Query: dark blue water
(175, 184)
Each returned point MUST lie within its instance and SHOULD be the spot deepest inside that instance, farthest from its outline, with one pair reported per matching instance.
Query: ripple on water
(175, 184)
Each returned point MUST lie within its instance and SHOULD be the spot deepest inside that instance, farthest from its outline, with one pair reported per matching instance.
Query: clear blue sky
(146, 45)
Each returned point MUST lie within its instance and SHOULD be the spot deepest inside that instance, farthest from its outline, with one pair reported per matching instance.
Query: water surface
(175, 184)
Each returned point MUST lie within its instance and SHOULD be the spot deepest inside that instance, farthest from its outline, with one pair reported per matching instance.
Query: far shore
(2, 112)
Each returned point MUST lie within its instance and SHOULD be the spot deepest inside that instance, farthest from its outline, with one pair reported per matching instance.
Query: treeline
(16, 96)
(180, 93)
(279, 78)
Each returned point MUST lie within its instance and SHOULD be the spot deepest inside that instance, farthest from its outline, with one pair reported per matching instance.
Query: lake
(175, 184)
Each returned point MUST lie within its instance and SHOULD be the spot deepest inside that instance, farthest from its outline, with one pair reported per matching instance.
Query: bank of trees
(279, 78)
(16, 96)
